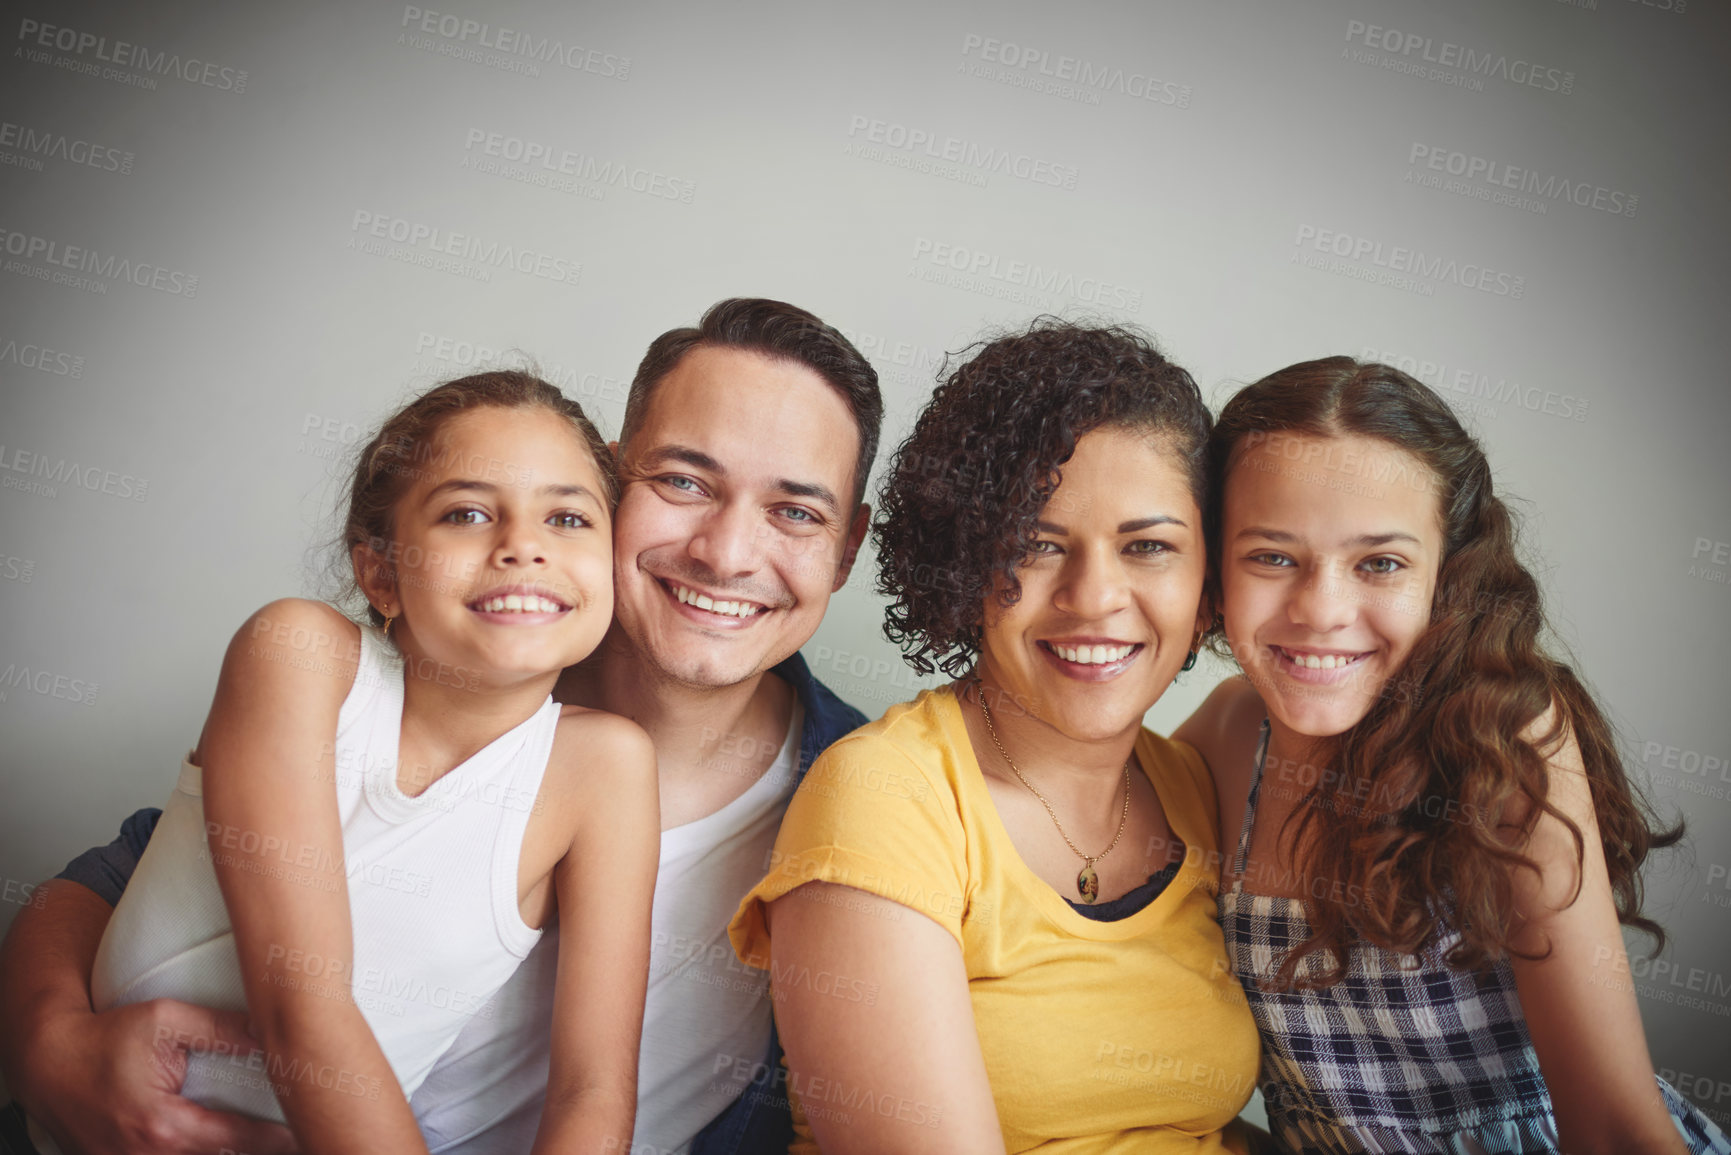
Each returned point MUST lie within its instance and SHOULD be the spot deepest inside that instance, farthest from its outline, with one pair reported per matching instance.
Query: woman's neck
(1039, 748)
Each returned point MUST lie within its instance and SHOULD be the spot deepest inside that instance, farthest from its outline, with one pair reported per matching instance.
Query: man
(743, 460)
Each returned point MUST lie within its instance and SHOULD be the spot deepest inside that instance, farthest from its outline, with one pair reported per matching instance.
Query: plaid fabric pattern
(1404, 1054)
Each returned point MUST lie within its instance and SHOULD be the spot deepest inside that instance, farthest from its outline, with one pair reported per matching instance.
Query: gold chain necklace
(1088, 881)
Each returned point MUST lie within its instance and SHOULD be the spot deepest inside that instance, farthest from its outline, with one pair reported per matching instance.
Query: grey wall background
(226, 250)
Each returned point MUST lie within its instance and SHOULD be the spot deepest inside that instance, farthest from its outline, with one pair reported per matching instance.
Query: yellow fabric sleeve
(870, 817)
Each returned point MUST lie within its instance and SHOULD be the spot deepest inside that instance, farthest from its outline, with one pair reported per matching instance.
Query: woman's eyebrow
(1141, 523)
(1130, 526)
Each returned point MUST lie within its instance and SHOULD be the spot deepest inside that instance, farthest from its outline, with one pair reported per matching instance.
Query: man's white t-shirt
(706, 1020)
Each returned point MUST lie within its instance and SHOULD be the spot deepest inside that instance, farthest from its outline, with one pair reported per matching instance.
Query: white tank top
(432, 883)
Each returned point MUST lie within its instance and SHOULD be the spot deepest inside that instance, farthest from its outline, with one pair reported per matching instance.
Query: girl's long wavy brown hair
(1477, 679)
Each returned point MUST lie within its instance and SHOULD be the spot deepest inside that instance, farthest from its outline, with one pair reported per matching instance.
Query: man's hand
(108, 1084)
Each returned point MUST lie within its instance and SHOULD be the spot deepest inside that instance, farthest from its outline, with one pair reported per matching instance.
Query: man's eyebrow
(697, 459)
(819, 493)
(684, 454)
(552, 490)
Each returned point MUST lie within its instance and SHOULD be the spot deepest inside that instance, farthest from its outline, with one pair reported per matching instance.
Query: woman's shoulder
(1231, 710)
(1215, 747)
(912, 728)
(917, 737)
(1171, 758)
(1181, 776)
(902, 769)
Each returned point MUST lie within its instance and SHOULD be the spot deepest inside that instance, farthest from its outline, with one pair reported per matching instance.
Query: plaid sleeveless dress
(1404, 1054)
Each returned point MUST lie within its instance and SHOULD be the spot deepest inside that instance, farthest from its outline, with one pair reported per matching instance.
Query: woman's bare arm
(872, 999)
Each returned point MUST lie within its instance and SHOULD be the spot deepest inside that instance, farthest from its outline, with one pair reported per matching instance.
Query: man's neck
(712, 743)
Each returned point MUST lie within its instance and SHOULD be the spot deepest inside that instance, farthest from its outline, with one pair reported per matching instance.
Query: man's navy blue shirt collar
(827, 717)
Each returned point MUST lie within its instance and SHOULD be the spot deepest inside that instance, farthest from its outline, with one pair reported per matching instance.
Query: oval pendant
(1088, 884)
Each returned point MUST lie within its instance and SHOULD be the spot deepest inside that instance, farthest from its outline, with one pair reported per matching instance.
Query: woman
(1437, 841)
(989, 921)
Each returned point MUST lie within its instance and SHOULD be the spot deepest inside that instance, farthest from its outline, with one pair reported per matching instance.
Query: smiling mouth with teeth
(731, 609)
(518, 604)
(1093, 655)
(1319, 661)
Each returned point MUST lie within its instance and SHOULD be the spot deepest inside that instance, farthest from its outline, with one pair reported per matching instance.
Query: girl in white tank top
(379, 820)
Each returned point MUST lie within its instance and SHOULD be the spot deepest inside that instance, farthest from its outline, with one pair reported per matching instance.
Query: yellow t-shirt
(1098, 1036)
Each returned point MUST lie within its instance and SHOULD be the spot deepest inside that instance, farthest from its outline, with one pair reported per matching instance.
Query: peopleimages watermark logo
(29, 355)
(447, 251)
(478, 355)
(82, 267)
(925, 150)
(1711, 561)
(91, 54)
(46, 684)
(25, 147)
(544, 165)
(1397, 266)
(40, 474)
(507, 49)
(1070, 78)
(906, 362)
(1479, 393)
(1008, 279)
(1483, 178)
(1463, 66)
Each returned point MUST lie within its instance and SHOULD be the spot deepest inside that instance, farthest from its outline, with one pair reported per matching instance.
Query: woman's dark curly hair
(957, 512)
(1476, 681)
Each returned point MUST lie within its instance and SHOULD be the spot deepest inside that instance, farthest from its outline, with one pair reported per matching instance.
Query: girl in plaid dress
(1438, 844)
